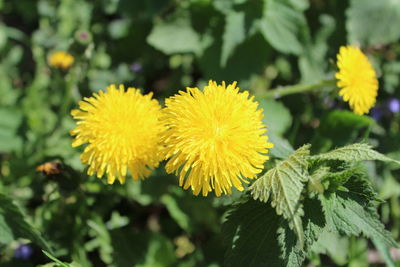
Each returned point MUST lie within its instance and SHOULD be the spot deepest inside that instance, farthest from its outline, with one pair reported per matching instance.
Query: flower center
(219, 131)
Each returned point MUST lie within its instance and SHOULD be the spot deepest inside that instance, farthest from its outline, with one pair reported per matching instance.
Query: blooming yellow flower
(61, 60)
(357, 79)
(214, 139)
(121, 129)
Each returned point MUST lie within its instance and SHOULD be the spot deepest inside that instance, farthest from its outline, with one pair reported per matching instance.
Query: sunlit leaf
(284, 184)
(354, 153)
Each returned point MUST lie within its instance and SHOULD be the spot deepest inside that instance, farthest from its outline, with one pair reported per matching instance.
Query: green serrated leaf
(316, 178)
(284, 184)
(16, 225)
(313, 221)
(348, 213)
(337, 179)
(251, 233)
(353, 153)
(359, 185)
(293, 255)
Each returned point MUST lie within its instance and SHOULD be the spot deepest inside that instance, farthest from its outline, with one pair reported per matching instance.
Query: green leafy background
(343, 205)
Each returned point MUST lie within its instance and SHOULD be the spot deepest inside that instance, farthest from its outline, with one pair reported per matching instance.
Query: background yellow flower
(357, 79)
(121, 129)
(214, 139)
(61, 60)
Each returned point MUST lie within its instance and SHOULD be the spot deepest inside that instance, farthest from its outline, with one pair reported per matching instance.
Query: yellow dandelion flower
(357, 79)
(121, 129)
(214, 139)
(61, 60)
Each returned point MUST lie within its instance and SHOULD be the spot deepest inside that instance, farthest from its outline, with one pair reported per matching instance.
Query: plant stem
(67, 101)
(294, 89)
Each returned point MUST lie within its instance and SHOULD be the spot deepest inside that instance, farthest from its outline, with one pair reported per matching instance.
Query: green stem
(295, 89)
(70, 83)
(67, 101)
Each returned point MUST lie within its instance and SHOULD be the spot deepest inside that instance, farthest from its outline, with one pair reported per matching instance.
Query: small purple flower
(24, 251)
(84, 36)
(136, 67)
(394, 105)
(376, 113)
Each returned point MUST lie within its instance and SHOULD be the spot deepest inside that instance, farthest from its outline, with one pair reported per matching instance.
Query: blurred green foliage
(164, 46)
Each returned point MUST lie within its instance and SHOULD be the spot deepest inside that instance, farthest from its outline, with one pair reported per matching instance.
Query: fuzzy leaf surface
(313, 221)
(350, 214)
(251, 232)
(353, 153)
(284, 184)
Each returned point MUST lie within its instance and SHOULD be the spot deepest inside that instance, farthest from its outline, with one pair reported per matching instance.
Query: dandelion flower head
(61, 60)
(357, 79)
(121, 131)
(214, 139)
